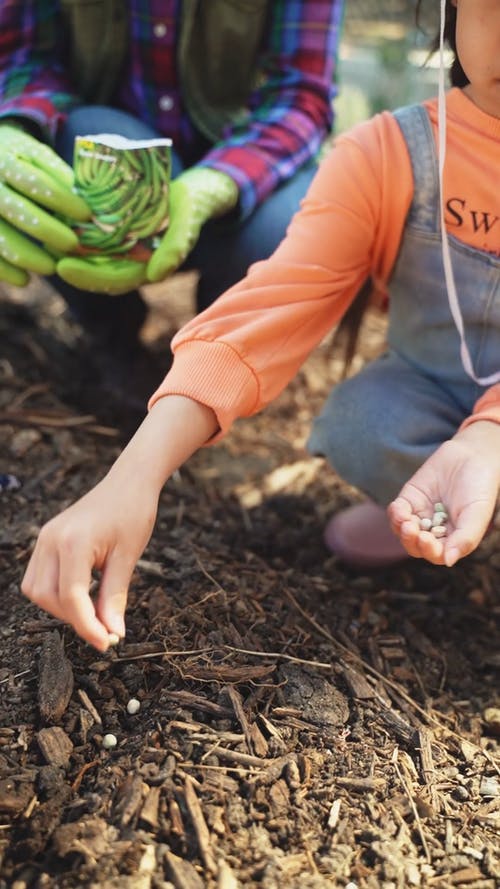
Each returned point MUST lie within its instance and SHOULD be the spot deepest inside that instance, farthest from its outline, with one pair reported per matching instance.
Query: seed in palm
(437, 524)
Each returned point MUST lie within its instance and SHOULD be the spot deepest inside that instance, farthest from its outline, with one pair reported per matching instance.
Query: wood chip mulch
(302, 724)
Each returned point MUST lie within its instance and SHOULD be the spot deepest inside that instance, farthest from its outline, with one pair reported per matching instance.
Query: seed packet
(125, 182)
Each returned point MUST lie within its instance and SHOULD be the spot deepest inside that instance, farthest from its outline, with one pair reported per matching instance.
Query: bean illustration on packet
(126, 184)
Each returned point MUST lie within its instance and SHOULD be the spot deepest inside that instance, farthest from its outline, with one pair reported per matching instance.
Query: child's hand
(108, 530)
(110, 526)
(464, 475)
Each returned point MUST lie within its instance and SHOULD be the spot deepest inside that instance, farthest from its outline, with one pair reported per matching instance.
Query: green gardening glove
(36, 195)
(196, 196)
(112, 275)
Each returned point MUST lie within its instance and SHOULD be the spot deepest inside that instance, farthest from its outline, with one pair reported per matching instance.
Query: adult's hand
(196, 196)
(102, 274)
(36, 195)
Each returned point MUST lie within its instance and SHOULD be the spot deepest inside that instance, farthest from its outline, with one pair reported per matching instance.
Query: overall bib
(378, 427)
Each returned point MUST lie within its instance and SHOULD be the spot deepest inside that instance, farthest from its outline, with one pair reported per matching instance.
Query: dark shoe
(99, 313)
(124, 380)
(119, 373)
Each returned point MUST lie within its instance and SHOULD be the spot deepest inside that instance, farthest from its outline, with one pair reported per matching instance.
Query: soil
(301, 724)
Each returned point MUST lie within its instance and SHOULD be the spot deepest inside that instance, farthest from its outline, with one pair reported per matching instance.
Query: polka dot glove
(196, 196)
(36, 187)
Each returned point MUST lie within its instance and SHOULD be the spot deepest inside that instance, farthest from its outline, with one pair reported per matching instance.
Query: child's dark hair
(457, 74)
(349, 328)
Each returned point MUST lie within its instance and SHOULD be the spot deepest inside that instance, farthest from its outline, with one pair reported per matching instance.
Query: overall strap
(97, 35)
(416, 127)
(218, 52)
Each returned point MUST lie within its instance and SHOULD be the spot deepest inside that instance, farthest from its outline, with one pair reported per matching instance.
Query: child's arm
(236, 357)
(109, 527)
(464, 475)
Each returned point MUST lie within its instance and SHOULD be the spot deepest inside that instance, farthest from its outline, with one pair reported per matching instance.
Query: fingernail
(101, 643)
(451, 556)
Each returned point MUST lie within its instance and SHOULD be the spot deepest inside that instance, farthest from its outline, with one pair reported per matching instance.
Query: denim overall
(379, 426)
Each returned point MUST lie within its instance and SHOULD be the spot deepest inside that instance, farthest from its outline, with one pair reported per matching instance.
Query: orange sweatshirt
(242, 351)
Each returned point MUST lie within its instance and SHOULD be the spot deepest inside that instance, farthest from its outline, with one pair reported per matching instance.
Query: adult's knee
(268, 224)
(224, 253)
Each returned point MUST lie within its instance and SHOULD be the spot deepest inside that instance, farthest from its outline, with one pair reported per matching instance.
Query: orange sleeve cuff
(213, 374)
(486, 408)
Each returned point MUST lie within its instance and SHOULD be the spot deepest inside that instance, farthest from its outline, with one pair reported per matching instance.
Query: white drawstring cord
(448, 270)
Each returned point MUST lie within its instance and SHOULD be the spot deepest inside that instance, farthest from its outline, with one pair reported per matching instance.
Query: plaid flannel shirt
(288, 116)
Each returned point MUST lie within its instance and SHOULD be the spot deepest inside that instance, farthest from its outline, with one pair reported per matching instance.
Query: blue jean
(224, 251)
(379, 426)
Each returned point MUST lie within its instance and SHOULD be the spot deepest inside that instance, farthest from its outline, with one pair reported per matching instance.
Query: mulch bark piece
(55, 680)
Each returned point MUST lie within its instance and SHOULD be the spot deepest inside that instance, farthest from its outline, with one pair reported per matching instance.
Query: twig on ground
(411, 802)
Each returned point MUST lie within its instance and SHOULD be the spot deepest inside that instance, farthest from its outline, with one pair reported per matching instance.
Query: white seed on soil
(109, 741)
(439, 531)
(133, 706)
(113, 638)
